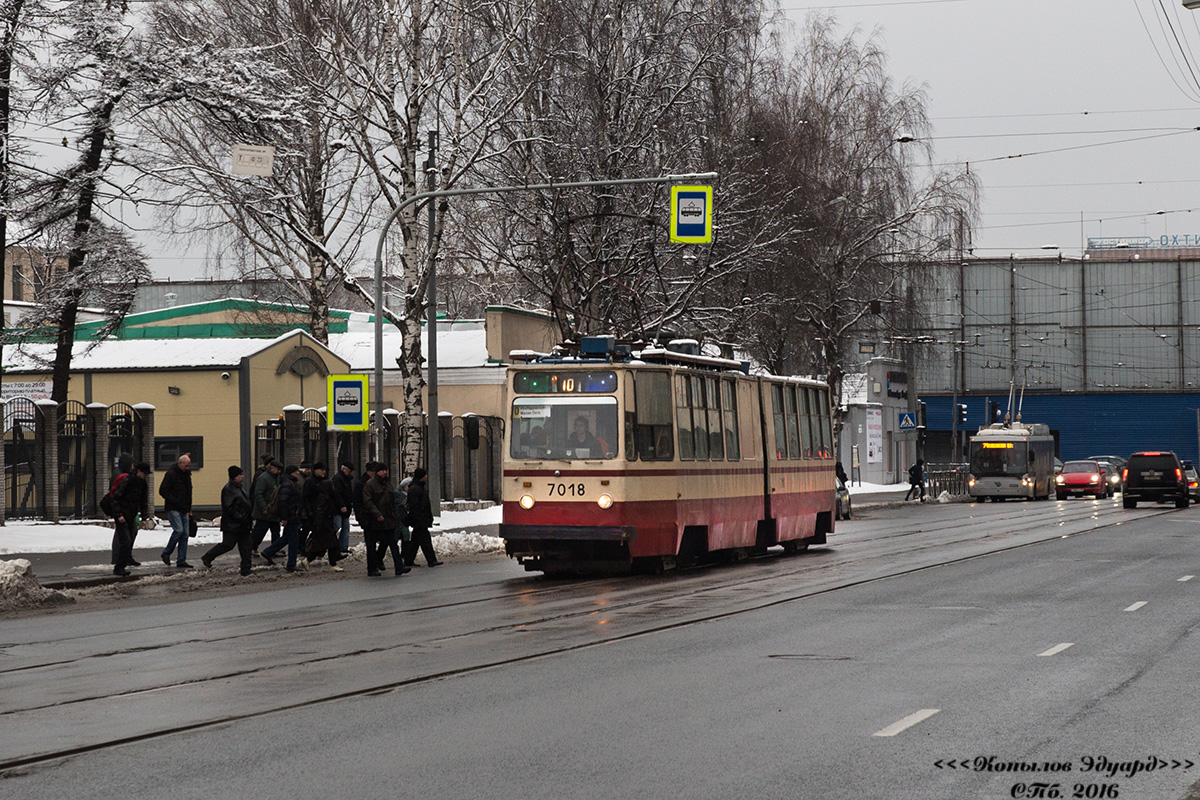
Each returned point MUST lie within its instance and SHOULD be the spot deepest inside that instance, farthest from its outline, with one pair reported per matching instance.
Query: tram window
(826, 424)
(793, 422)
(699, 418)
(564, 427)
(780, 425)
(683, 415)
(807, 429)
(733, 450)
(652, 429)
(716, 439)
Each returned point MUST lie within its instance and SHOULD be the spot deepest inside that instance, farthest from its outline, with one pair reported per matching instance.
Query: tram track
(634, 608)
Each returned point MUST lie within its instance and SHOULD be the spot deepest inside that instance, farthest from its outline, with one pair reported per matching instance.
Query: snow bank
(19, 588)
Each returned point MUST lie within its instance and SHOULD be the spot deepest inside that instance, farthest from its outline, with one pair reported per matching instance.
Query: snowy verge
(19, 588)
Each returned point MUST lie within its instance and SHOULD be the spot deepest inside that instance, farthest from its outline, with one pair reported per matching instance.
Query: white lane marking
(1058, 648)
(1136, 605)
(907, 722)
(1186, 578)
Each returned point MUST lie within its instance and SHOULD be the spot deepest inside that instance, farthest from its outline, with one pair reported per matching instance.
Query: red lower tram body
(659, 518)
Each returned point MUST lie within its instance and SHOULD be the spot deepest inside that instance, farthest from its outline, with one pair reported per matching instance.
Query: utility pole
(435, 422)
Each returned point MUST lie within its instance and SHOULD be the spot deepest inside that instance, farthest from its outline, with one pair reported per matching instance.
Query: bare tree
(864, 200)
(304, 223)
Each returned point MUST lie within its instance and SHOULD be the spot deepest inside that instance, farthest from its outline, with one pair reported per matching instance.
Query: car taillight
(1125, 474)
(1178, 474)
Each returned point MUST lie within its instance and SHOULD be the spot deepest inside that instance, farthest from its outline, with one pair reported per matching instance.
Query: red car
(1082, 478)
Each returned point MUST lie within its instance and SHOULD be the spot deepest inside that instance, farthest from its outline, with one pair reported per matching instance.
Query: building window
(168, 449)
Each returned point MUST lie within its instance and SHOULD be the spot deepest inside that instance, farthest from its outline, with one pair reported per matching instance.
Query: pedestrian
(235, 521)
(176, 492)
(420, 519)
(289, 518)
(343, 502)
(356, 496)
(322, 537)
(380, 517)
(403, 532)
(130, 496)
(916, 480)
(840, 471)
(260, 498)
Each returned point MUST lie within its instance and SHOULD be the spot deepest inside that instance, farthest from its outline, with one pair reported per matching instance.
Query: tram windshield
(564, 427)
(999, 458)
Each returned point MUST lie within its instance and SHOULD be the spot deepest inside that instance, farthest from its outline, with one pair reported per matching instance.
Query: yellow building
(208, 394)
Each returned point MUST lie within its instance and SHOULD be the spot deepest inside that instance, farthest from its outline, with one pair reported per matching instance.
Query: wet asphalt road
(1043, 634)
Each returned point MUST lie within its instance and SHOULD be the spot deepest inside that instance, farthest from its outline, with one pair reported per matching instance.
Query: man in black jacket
(378, 519)
(235, 521)
(343, 503)
(420, 519)
(130, 498)
(176, 492)
(289, 518)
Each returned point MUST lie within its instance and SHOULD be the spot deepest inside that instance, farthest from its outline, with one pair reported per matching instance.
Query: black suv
(1155, 476)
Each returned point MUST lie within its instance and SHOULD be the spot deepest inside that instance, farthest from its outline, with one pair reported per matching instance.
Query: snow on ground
(19, 588)
(21, 536)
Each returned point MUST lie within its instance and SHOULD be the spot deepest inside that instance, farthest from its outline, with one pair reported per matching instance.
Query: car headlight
(526, 501)
(604, 501)
(1059, 480)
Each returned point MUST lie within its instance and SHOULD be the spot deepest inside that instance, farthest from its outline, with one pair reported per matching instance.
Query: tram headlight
(604, 501)
(526, 501)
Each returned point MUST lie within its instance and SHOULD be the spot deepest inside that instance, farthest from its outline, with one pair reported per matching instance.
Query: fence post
(47, 449)
(98, 456)
(143, 447)
(3, 465)
(293, 435)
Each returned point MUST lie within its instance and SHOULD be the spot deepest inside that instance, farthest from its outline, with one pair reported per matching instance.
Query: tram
(615, 463)
(1011, 460)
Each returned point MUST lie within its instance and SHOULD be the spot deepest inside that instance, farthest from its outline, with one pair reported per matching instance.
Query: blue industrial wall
(1095, 424)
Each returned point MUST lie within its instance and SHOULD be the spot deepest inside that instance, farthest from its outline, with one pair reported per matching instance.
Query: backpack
(108, 503)
(272, 509)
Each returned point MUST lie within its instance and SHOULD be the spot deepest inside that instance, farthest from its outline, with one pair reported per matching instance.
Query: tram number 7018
(566, 489)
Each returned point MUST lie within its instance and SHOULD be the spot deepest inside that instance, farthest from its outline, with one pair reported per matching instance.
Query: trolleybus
(616, 463)
(1011, 460)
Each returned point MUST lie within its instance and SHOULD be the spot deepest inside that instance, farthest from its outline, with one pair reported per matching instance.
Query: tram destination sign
(565, 382)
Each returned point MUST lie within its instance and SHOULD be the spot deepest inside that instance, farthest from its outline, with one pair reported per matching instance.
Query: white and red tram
(614, 463)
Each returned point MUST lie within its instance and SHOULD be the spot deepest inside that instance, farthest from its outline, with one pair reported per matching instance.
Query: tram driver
(581, 442)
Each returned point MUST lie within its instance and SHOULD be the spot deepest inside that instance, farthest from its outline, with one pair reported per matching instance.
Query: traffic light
(920, 413)
(994, 414)
(962, 413)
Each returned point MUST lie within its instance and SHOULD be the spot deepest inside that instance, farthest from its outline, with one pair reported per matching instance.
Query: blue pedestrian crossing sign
(908, 420)
(691, 214)
(347, 402)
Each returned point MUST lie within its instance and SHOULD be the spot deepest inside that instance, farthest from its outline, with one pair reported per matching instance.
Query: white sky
(1016, 76)
(1014, 68)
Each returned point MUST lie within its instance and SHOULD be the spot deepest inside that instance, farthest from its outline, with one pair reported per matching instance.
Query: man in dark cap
(379, 519)
(420, 519)
(235, 521)
(260, 497)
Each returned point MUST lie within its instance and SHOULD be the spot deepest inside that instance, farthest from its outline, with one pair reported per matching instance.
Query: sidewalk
(79, 554)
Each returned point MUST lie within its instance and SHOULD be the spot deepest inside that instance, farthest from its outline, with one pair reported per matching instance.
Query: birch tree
(304, 224)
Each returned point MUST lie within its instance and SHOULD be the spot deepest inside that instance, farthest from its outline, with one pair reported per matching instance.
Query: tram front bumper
(567, 533)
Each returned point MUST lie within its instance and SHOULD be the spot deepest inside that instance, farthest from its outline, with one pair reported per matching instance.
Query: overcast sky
(1015, 76)
(1008, 77)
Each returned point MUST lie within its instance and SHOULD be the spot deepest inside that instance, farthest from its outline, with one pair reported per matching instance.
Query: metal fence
(950, 478)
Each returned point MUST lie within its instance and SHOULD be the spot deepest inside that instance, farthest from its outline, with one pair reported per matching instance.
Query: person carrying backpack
(130, 499)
